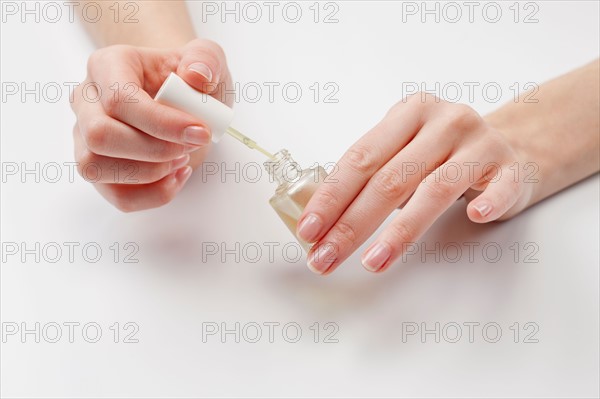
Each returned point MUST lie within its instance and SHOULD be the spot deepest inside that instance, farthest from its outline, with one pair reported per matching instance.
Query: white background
(171, 291)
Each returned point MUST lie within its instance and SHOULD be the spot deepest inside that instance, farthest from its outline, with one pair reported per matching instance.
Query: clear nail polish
(295, 187)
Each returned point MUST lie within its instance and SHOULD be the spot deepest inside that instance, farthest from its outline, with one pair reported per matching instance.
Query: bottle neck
(283, 169)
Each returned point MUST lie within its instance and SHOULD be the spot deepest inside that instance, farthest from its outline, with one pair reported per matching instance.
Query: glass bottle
(295, 187)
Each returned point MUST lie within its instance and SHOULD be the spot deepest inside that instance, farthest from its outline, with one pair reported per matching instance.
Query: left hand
(426, 153)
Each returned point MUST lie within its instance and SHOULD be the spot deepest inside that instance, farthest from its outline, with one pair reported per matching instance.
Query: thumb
(202, 65)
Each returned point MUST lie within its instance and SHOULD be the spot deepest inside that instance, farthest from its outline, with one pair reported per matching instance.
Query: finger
(389, 187)
(96, 168)
(203, 65)
(501, 193)
(355, 169)
(106, 136)
(136, 197)
(123, 97)
(432, 198)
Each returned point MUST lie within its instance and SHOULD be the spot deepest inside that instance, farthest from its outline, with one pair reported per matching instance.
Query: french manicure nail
(376, 256)
(179, 162)
(196, 135)
(322, 258)
(202, 69)
(483, 208)
(183, 174)
(309, 228)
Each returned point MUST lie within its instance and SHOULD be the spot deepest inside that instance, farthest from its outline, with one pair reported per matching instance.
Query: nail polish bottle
(295, 187)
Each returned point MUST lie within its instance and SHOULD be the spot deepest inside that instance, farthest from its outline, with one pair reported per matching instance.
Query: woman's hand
(139, 153)
(426, 153)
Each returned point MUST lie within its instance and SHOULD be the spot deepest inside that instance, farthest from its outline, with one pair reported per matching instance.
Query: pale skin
(556, 138)
(145, 151)
(424, 155)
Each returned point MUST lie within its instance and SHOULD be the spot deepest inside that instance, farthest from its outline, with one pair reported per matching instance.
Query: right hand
(139, 153)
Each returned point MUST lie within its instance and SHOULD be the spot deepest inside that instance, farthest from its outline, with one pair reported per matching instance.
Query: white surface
(171, 292)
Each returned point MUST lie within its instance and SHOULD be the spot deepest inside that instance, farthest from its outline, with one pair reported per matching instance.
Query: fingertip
(180, 162)
(202, 81)
(309, 228)
(322, 258)
(183, 174)
(203, 71)
(376, 256)
(479, 211)
(195, 135)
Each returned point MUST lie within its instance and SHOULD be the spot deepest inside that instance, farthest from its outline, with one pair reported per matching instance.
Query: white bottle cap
(175, 93)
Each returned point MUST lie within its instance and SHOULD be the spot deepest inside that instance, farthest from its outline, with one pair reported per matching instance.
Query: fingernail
(483, 208)
(202, 69)
(376, 256)
(183, 174)
(322, 258)
(196, 135)
(309, 228)
(179, 162)
(190, 148)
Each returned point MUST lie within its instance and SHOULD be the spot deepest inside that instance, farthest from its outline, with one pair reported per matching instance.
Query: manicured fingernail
(309, 228)
(196, 135)
(322, 258)
(179, 162)
(202, 69)
(376, 256)
(483, 208)
(183, 174)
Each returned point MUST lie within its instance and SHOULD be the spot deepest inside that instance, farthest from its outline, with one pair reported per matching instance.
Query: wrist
(157, 40)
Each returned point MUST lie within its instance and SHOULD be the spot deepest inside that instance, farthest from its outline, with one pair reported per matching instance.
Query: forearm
(151, 24)
(560, 133)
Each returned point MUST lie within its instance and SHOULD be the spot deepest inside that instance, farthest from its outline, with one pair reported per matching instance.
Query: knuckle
(123, 203)
(108, 54)
(415, 100)
(327, 199)
(422, 98)
(96, 57)
(440, 189)
(215, 48)
(95, 133)
(85, 158)
(344, 233)
(121, 50)
(463, 117)
(417, 103)
(493, 142)
(165, 151)
(118, 196)
(362, 159)
(402, 232)
(399, 107)
(387, 183)
(112, 102)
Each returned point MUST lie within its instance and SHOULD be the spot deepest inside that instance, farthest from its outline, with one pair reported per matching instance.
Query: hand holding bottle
(426, 153)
